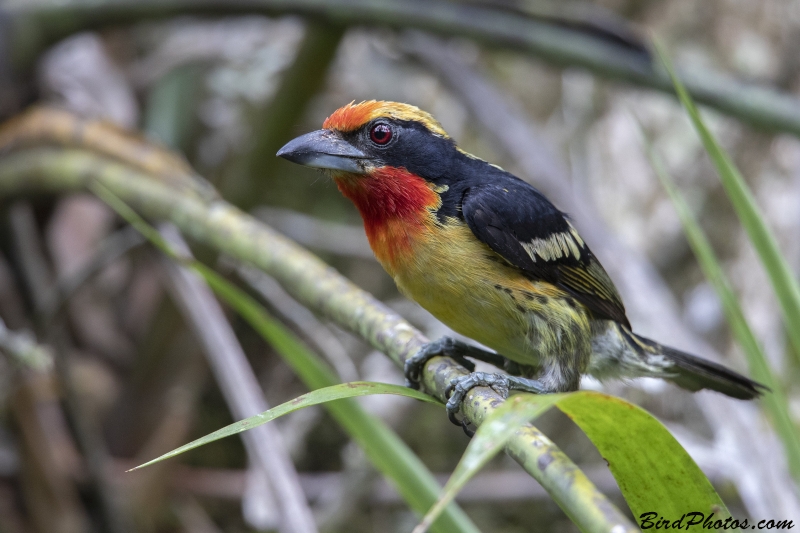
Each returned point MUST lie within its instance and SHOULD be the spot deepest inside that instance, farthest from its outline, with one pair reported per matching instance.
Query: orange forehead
(353, 116)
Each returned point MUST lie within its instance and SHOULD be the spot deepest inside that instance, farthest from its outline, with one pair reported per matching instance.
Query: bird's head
(393, 160)
(360, 139)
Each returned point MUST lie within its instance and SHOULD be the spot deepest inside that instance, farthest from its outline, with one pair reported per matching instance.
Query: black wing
(529, 232)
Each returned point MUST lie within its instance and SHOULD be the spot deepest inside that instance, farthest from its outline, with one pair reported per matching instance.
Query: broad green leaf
(775, 401)
(315, 397)
(383, 447)
(783, 280)
(653, 471)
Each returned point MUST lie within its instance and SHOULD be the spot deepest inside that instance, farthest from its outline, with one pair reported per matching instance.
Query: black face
(406, 144)
(380, 142)
(397, 143)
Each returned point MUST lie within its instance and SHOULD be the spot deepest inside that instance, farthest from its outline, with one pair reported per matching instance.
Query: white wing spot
(554, 247)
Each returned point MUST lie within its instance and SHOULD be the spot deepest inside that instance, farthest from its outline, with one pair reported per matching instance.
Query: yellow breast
(470, 288)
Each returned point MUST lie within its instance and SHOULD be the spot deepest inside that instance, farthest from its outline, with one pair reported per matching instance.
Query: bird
(492, 258)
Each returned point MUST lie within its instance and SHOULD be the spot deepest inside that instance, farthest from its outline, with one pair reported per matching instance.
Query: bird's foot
(446, 346)
(502, 384)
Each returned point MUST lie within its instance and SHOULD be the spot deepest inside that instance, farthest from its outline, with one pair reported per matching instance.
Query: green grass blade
(490, 438)
(653, 471)
(315, 397)
(775, 401)
(383, 447)
(783, 280)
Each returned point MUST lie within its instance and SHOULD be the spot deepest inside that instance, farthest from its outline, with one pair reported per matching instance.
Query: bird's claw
(502, 384)
(445, 346)
(460, 386)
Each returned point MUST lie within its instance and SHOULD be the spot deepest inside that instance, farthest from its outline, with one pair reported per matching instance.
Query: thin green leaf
(783, 280)
(315, 397)
(775, 402)
(653, 471)
(383, 447)
(489, 439)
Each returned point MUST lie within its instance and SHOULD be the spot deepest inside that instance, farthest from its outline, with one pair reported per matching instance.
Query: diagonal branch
(210, 220)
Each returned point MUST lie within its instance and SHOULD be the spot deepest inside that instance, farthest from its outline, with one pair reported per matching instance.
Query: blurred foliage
(133, 370)
(784, 284)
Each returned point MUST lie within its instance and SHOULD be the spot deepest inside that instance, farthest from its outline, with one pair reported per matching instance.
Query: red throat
(394, 205)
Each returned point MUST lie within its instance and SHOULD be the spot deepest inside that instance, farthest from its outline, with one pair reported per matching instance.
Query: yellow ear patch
(353, 116)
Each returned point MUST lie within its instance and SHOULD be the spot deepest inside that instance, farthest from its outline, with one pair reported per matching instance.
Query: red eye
(380, 133)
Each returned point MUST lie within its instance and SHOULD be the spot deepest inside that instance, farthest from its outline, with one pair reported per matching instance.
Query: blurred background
(227, 87)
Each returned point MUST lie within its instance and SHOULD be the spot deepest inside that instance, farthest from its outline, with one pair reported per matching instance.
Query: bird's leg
(458, 350)
(502, 384)
(459, 387)
(446, 346)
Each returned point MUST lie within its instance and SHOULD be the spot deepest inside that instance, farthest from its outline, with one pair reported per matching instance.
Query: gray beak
(324, 149)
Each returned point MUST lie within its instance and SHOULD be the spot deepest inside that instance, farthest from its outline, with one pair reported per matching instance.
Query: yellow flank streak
(469, 287)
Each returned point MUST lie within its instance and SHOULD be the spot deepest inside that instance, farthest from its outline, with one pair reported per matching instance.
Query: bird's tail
(693, 373)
